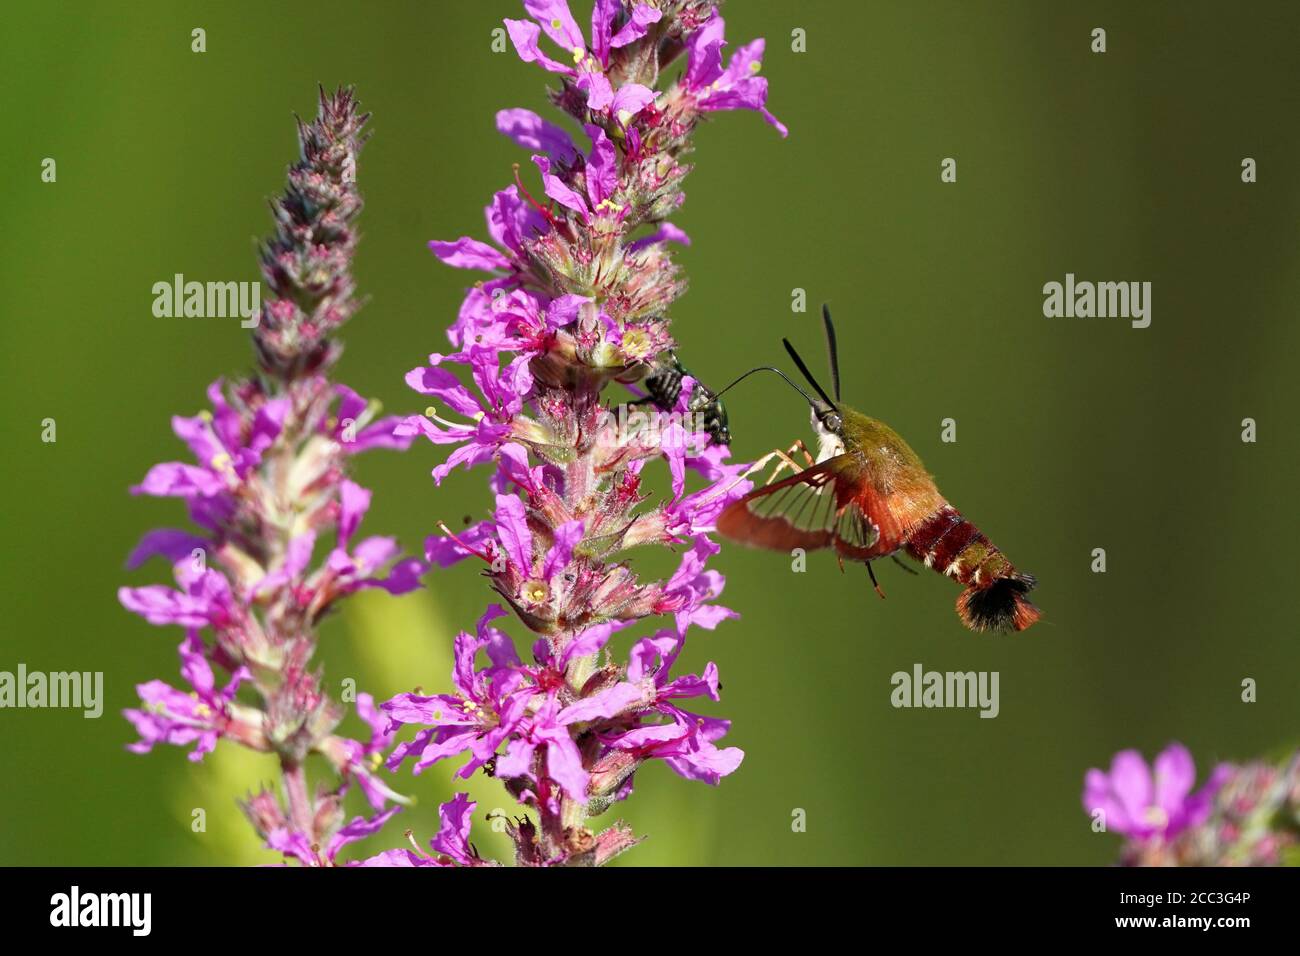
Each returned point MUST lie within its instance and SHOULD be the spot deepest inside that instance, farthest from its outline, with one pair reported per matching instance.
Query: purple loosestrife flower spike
(276, 542)
(307, 264)
(580, 283)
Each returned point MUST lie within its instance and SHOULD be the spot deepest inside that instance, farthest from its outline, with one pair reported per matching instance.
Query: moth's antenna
(834, 353)
(768, 368)
(807, 374)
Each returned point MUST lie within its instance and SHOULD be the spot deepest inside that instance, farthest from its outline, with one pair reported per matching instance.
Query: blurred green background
(1073, 434)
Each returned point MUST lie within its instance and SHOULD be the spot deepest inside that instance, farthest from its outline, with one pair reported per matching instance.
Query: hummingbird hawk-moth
(868, 496)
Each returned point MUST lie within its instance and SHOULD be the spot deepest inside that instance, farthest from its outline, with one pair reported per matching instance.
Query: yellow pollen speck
(205, 415)
(1156, 817)
(202, 711)
(220, 461)
(375, 760)
(556, 24)
(535, 591)
(755, 66)
(578, 54)
(437, 715)
(431, 412)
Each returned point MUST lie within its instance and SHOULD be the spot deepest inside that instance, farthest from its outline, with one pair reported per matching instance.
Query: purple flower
(500, 398)
(737, 86)
(227, 446)
(1144, 806)
(199, 716)
(299, 845)
(353, 429)
(512, 222)
(357, 568)
(692, 515)
(584, 66)
(297, 555)
(359, 761)
(601, 179)
(170, 543)
(548, 728)
(512, 529)
(689, 591)
(449, 549)
(451, 846)
(453, 836)
(689, 516)
(516, 321)
(397, 858)
(204, 599)
(686, 741)
(467, 253)
(525, 128)
(487, 707)
(666, 232)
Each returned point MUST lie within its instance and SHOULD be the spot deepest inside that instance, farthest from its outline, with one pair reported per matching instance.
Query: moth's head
(826, 421)
(829, 428)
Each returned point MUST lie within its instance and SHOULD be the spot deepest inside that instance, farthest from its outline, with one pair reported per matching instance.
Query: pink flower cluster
(267, 486)
(577, 298)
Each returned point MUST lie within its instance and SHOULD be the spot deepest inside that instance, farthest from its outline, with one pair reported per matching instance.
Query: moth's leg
(758, 465)
(753, 469)
(761, 464)
(787, 462)
(899, 561)
(874, 582)
(798, 448)
(783, 462)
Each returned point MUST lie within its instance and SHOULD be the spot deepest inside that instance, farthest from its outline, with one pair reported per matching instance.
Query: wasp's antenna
(834, 353)
(768, 368)
(807, 374)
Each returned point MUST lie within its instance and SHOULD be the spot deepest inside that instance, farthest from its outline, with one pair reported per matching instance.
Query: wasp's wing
(817, 508)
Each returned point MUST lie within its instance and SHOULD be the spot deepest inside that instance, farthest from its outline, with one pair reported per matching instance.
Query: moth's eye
(833, 423)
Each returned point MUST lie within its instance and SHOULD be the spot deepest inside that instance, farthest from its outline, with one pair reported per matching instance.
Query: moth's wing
(814, 509)
(856, 534)
(867, 527)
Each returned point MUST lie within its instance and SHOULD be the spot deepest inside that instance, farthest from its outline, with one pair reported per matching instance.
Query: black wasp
(664, 385)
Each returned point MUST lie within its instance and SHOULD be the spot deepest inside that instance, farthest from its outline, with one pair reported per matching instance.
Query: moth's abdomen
(994, 599)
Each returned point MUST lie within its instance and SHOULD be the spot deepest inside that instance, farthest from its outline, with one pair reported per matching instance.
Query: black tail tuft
(1001, 606)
